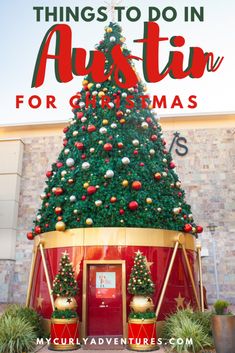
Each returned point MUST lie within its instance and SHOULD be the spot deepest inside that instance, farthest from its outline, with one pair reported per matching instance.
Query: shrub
(221, 307)
(64, 314)
(186, 324)
(16, 335)
(28, 314)
(146, 315)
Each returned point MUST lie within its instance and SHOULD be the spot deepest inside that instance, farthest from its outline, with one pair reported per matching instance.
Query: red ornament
(199, 229)
(185, 216)
(79, 145)
(142, 164)
(136, 185)
(164, 142)
(37, 230)
(121, 211)
(80, 115)
(148, 120)
(119, 114)
(58, 191)
(135, 152)
(172, 165)
(157, 176)
(65, 142)
(66, 129)
(120, 145)
(58, 210)
(59, 164)
(59, 218)
(83, 156)
(113, 199)
(91, 190)
(179, 194)
(108, 147)
(133, 205)
(49, 173)
(30, 235)
(91, 128)
(153, 138)
(83, 197)
(188, 228)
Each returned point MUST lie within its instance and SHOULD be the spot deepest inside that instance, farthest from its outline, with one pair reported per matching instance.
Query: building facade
(206, 168)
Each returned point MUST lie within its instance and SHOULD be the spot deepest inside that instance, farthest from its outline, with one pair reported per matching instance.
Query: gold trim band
(140, 321)
(143, 347)
(114, 236)
(63, 347)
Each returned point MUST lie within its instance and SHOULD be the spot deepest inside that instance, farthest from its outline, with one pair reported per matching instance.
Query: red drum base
(142, 335)
(64, 334)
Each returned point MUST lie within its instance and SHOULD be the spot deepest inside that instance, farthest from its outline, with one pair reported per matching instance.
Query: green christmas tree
(140, 282)
(64, 284)
(114, 169)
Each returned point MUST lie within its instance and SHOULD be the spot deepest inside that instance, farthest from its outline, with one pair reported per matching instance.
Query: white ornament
(152, 151)
(125, 160)
(145, 125)
(156, 118)
(98, 85)
(113, 126)
(109, 173)
(75, 133)
(43, 196)
(164, 174)
(111, 105)
(98, 203)
(94, 93)
(92, 150)
(112, 39)
(66, 151)
(178, 184)
(38, 217)
(72, 198)
(83, 119)
(128, 111)
(124, 94)
(75, 211)
(164, 160)
(85, 165)
(159, 209)
(131, 89)
(63, 173)
(70, 162)
(176, 210)
(135, 143)
(82, 104)
(103, 130)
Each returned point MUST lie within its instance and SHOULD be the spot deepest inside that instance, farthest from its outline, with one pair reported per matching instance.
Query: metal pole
(31, 273)
(198, 246)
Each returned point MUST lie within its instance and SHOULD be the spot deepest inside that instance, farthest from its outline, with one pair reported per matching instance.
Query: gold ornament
(125, 183)
(141, 304)
(149, 200)
(122, 39)
(105, 122)
(89, 221)
(63, 303)
(109, 30)
(60, 226)
(101, 94)
(122, 121)
(180, 301)
(90, 85)
(84, 82)
(85, 185)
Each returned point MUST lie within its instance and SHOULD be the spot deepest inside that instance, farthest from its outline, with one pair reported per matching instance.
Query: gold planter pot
(223, 328)
(141, 304)
(63, 303)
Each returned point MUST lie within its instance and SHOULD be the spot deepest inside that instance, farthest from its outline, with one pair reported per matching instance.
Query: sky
(21, 36)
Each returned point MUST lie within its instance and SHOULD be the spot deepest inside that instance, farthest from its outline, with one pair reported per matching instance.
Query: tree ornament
(79, 145)
(30, 236)
(70, 181)
(60, 226)
(75, 133)
(91, 128)
(125, 183)
(125, 160)
(187, 228)
(112, 39)
(85, 166)
(101, 94)
(103, 130)
(157, 176)
(37, 229)
(89, 221)
(152, 152)
(108, 147)
(58, 191)
(72, 198)
(119, 114)
(153, 138)
(120, 145)
(133, 205)
(66, 151)
(144, 125)
(172, 165)
(113, 126)
(109, 173)
(58, 210)
(91, 190)
(149, 200)
(43, 196)
(136, 185)
(113, 199)
(49, 173)
(70, 162)
(98, 203)
(109, 30)
(135, 142)
(199, 229)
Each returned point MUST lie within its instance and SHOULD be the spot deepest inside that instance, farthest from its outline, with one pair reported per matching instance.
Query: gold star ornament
(179, 301)
(39, 301)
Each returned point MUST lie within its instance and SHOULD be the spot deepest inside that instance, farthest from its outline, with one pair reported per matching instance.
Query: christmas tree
(140, 282)
(114, 169)
(64, 284)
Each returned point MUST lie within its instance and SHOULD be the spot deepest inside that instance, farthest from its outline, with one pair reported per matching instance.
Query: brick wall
(208, 176)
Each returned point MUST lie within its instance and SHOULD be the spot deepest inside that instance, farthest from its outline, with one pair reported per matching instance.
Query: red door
(104, 307)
